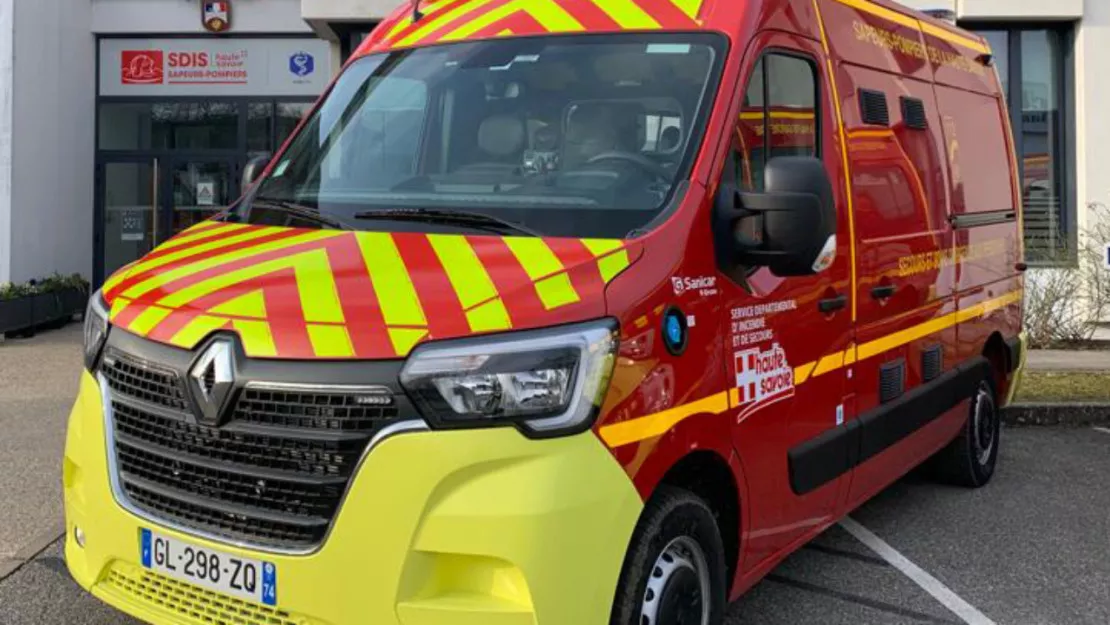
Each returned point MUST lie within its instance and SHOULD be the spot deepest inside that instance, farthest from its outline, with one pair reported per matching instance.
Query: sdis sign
(161, 67)
(214, 67)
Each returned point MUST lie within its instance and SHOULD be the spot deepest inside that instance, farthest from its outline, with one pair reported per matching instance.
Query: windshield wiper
(450, 217)
(301, 211)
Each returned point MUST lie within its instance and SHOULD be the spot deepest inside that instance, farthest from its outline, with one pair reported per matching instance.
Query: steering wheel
(639, 160)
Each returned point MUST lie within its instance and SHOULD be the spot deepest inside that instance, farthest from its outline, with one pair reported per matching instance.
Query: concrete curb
(1076, 415)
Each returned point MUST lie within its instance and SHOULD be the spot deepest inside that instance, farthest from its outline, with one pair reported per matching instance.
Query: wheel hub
(984, 424)
(678, 586)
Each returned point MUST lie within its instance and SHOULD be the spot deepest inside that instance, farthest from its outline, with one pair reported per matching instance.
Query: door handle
(832, 304)
(883, 292)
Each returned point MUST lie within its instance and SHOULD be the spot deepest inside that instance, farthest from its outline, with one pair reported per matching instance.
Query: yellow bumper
(438, 528)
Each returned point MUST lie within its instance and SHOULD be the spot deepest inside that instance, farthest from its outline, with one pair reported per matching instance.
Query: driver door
(788, 336)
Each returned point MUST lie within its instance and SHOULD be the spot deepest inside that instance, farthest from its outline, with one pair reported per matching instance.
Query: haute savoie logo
(763, 377)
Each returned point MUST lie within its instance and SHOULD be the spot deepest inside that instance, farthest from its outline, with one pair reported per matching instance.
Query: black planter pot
(73, 301)
(16, 314)
(47, 308)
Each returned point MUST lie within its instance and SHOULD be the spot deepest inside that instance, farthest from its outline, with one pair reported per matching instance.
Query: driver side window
(779, 116)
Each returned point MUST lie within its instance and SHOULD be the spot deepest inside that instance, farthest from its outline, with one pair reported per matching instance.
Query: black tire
(673, 522)
(970, 459)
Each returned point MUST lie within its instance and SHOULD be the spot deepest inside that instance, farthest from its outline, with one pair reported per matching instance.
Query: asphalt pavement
(38, 381)
(1032, 548)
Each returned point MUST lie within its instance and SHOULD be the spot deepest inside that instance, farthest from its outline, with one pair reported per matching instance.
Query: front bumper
(481, 527)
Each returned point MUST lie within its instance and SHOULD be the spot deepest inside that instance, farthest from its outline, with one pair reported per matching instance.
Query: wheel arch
(998, 354)
(709, 476)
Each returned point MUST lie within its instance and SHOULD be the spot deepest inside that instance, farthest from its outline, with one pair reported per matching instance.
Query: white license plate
(253, 580)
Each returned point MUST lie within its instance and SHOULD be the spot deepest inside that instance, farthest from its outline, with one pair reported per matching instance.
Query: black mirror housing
(795, 216)
(253, 169)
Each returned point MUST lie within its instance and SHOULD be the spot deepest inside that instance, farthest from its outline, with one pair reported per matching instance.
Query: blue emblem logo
(675, 331)
(302, 64)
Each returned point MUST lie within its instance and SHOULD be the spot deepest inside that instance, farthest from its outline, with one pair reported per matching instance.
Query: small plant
(57, 282)
(9, 291)
(51, 284)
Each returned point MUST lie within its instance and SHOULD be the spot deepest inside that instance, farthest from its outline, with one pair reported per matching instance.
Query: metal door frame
(100, 208)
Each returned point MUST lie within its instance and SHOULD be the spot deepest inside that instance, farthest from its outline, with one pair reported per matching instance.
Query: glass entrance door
(129, 197)
(145, 201)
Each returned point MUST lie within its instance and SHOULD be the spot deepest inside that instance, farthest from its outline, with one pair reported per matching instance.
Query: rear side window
(779, 116)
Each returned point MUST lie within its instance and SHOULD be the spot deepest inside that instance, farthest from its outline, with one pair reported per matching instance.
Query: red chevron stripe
(450, 26)
(590, 15)
(386, 25)
(283, 307)
(510, 279)
(285, 316)
(359, 300)
(203, 226)
(521, 23)
(127, 315)
(428, 276)
(171, 325)
(140, 276)
(208, 238)
(585, 278)
(232, 265)
(666, 13)
(412, 28)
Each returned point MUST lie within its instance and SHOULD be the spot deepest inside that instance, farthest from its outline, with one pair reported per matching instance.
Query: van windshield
(584, 136)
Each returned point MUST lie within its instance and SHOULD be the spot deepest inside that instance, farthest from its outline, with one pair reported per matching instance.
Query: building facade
(124, 121)
(136, 120)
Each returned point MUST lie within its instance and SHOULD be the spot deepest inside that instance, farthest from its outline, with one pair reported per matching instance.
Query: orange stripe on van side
(658, 424)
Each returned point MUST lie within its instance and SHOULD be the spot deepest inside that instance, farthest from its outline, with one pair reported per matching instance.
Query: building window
(1034, 64)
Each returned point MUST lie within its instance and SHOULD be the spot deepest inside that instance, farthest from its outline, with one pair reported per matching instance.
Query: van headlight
(96, 328)
(549, 382)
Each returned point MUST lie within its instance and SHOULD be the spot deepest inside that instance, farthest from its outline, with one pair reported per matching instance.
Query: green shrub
(50, 284)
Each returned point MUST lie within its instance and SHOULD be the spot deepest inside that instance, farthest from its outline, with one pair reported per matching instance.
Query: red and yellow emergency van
(560, 312)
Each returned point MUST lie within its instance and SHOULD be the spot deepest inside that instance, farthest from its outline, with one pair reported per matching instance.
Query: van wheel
(674, 572)
(970, 459)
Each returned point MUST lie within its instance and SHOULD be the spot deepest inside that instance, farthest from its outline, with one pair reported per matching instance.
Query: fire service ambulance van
(560, 312)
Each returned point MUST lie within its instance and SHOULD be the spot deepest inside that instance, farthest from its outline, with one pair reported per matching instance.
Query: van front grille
(143, 381)
(317, 457)
(272, 476)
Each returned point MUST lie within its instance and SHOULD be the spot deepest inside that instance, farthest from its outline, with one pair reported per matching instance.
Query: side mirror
(254, 169)
(789, 227)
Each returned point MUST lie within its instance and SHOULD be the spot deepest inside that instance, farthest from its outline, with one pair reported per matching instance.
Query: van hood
(327, 294)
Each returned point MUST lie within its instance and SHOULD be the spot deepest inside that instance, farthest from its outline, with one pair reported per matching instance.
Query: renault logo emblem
(211, 380)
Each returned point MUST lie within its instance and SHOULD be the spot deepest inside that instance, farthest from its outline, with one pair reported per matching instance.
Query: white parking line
(927, 582)
(1103, 430)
